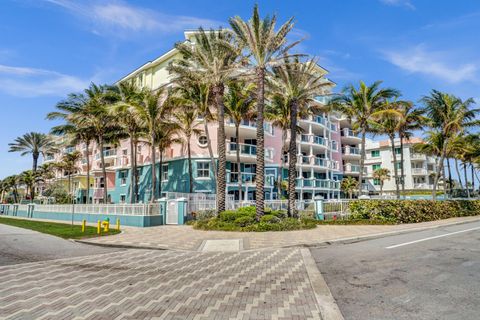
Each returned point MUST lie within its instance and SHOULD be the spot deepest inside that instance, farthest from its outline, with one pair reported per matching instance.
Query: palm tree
(167, 135)
(411, 119)
(33, 143)
(299, 83)
(152, 113)
(450, 116)
(266, 47)
(358, 105)
(68, 164)
(381, 174)
(130, 95)
(11, 183)
(29, 178)
(387, 121)
(187, 122)
(239, 101)
(349, 185)
(213, 59)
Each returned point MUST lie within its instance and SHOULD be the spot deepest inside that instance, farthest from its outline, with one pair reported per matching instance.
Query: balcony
(418, 157)
(249, 127)
(419, 171)
(247, 151)
(424, 186)
(313, 183)
(349, 137)
(69, 150)
(351, 169)
(248, 179)
(349, 152)
(313, 140)
(106, 154)
(49, 158)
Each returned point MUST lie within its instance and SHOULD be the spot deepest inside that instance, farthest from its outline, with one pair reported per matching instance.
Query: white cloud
(399, 3)
(436, 64)
(113, 16)
(33, 82)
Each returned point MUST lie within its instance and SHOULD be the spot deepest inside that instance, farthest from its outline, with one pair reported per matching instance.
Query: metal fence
(205, 205)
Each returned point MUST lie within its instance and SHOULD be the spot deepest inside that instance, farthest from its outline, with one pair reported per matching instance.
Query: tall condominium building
(327, 149)
(419, 168)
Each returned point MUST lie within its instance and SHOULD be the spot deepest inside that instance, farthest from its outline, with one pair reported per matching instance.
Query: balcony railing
(317, 183)
(107, 153)
(350, 150)
(351, 168)
(418, 156)
(248, 178)
(346, 132)
(307, 138)
(249, 150)
(419, 171)
(267, 126)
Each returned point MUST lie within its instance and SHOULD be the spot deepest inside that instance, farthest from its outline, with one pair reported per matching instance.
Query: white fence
(204, 205)
(149, 209)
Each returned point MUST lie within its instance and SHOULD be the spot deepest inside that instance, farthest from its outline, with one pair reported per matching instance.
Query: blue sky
(49, 48)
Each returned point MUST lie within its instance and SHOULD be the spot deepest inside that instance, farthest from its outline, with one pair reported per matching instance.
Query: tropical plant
(68, 165)
(349, 185)
(29, 178)
(153, 113)
(129, 96)
(266, 47)
(239, 106)
(11, 184)
(187, 122)
(449, 115)
(212, 59)
(33, 143)
(299, 83)
(358, 105)
(381, 174)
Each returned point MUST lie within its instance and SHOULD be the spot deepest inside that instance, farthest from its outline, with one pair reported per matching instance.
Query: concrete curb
(326, 303)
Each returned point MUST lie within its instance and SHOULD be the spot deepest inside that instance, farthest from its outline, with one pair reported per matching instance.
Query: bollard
(118, 224)
(98, 227)
(84, 223)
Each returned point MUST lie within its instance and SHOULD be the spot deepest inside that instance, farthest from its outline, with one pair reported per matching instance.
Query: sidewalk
(187, 238)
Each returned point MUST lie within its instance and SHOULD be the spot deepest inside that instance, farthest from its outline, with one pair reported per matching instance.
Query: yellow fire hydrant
(106, 225)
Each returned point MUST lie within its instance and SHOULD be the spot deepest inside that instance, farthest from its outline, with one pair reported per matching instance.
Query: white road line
(431, 238)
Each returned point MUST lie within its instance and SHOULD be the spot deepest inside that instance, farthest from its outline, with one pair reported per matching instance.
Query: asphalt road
(19, 245)
(432, 274)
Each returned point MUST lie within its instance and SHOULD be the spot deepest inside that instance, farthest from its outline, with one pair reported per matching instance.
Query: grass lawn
(62, 230)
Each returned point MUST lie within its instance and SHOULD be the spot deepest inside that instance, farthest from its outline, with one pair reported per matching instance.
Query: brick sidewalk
(145, 284)
(187, 238)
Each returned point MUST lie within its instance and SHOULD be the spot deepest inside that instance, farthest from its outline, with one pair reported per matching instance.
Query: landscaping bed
(62, 230)
(244, 219)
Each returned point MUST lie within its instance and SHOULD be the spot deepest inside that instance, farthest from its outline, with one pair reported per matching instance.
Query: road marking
(431, 238)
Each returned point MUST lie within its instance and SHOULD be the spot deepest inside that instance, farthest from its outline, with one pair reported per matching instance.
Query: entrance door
(172, 212)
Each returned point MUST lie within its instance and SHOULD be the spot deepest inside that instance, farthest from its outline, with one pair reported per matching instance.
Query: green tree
(239, 106)
(213, 59)
(266, 47)
(358, 105)
(33, 143)
(381, 174)
(349, 185)
(29, 178)
(68, 165)
(450, 116)
(299, 83)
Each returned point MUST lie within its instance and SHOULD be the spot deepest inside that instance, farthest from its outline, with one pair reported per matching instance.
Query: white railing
(150, 209)
(419, 171)
(204, 205)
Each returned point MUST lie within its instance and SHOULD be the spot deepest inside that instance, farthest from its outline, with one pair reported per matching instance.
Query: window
(124, 152)
(203, 169)
(165, 172)
(398, 165)
(334, 145)
(375, 153)
(376, 182)
(123, 175)
(123, 198)
(202, 141)
(398, 150)
(375, 167)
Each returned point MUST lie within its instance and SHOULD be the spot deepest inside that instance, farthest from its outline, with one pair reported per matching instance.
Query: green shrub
(412, 211)
(244, 221)
(232, 215)
(270, 218)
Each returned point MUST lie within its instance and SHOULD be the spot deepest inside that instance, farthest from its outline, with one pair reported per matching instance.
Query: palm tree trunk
(160, 169)
(449, 178)
(87, 145)
(209, 146)
(292, 161)
(362, 158)
(466, 179)
(153, 169)
(260, 172)
(35, 162)
(402, 169)
(132, 170)
(190, 171)
(135, 144)
(239, 171)
(439, 170)
(395, 169)
(222, 157)
(104, 172)
(280, 174)
(473, 178)
(458, 173)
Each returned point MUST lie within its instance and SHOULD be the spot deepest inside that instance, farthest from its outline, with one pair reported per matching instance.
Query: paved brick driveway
(138, 284)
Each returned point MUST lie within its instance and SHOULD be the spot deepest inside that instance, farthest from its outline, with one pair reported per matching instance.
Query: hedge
(411, 211)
